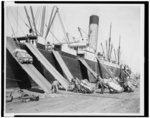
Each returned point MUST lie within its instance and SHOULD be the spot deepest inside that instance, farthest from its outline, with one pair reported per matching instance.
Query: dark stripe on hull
(75, 67)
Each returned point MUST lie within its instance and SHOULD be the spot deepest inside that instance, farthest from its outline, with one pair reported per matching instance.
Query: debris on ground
(21, 95)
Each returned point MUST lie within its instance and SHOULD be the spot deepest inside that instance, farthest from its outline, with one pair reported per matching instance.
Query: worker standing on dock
(100, 84)
(55, 86)
(125, 79)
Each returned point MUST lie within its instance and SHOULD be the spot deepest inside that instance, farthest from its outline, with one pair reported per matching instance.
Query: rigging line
(83, 32)
(10, 25)
(63, 27)
(51, 20)
(102, 49)
(28, 18)
(33, 20)
(109, 48)
(115, 55)
(53, 35)
(23, 20)
(37, 21)
(110, 53)
(16, 20)
(119, 53)
(43, 20)
(79, 29)
(37, 14)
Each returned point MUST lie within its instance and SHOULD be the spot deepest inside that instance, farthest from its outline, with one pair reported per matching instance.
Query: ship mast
(43, 21)
(33, 20)
(51, 20)
(106, 50)
(52, 17)
(103, 49)
(115, 54)
(28, 19)
(119, 52)
(109, 47)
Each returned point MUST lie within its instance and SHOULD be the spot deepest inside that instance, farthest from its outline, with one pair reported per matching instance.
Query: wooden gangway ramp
(63, 66)
(87, 66)
(40, 57)
(29, 68)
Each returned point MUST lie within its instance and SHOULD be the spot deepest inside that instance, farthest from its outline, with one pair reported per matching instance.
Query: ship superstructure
(80, 57)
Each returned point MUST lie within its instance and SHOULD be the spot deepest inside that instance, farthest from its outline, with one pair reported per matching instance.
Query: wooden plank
(48, 66)
(30, 69)
(88, 67)
(63, 65)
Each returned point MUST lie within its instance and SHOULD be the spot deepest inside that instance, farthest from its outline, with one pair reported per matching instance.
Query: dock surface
(69, 102)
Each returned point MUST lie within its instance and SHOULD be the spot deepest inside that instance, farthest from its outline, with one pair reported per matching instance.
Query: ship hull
(16, 77)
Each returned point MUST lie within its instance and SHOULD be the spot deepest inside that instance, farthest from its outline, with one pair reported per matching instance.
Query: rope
(37, 15)
(43, 21)
(23, 21)
(28, 18)
(83, 32)
(37, 21)
(10, 25)
(17, 22)
(33, 20)
(54, 35)
(51, 20)
(80, 32)
(63, 27)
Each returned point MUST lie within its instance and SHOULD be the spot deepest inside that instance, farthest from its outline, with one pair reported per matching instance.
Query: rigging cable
(51, 20)
(37, 21)
(115, 55)
(17, 22)
(10, 25)
(63, 27)
(82, 32)
(28, 18)
(42, 21)
(23, 20)
(33, 20)
(37, 15)
(54, 35)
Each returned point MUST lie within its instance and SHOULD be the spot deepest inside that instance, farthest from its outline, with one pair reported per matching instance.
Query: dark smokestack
(94, 19)
(93, 31)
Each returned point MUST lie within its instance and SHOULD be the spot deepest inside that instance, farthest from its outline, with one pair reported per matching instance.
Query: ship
(59, 61)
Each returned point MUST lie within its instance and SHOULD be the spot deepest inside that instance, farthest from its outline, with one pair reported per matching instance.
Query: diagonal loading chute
(63, 65)
(48, 66)
(30, 69)
(88, 67)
